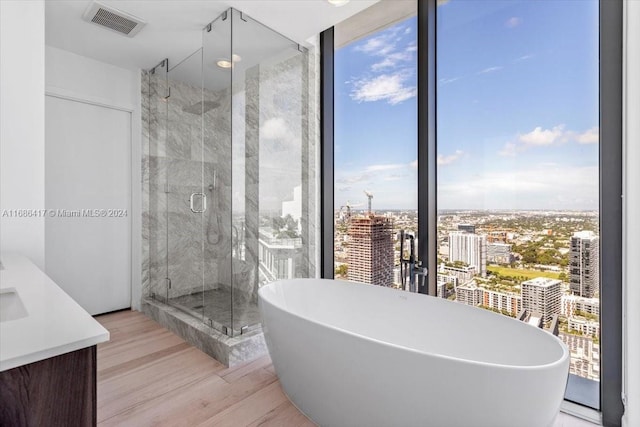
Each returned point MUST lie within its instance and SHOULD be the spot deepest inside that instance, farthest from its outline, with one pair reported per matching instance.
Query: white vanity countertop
(55, 324)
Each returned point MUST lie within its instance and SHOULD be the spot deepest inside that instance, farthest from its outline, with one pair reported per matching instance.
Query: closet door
(88, 201)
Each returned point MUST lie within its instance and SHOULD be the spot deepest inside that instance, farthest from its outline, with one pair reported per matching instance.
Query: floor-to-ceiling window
(525, 129)
(375, 143)
(518, 178)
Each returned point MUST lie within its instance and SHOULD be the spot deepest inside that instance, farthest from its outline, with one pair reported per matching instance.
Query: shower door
(184, 186)
(198, 187)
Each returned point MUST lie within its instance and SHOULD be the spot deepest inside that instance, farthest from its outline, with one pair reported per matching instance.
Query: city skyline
(530, 140)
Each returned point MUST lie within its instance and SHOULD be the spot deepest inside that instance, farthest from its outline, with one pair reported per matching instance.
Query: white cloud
(447, 81)
(591, 136)
(378, 168)
(541, 187)
(275, 128)
(354, 179)
(382, 44)
(510, 149)
(513, 22)
(377, 46)
(389, 75)
(393, 60)
(447, 160)
(540, 136)
(385, 87)
(414, 164)
(490, 70)
(525, 57)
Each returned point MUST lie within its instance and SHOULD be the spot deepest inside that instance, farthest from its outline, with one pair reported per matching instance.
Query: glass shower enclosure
(230, 180)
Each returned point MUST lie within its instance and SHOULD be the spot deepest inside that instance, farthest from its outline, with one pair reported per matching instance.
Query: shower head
(201, 107)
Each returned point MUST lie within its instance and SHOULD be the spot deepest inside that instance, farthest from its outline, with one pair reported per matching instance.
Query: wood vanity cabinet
(59, 391)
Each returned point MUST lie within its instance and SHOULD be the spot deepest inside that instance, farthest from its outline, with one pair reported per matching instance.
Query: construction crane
(369, 196)
(348, 206)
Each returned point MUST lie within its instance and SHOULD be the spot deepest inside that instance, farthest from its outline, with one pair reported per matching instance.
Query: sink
(11, 306)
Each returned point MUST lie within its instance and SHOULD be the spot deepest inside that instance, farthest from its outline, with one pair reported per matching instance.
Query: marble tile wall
(175, 165)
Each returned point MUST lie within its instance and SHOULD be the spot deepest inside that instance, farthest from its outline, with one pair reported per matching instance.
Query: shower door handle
(204, 202)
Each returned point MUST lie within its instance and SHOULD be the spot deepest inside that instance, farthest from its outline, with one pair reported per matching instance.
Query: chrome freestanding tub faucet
(410, 267)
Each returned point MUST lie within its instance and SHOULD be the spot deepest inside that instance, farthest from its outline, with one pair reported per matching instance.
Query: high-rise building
(501, 301)
(279, 258)
(370, 251)
(499, 253)
(469, 248)
(446, 285)
(467, 228)
(464, 274)
(574, 303)
(584, 264)
(542, 295)
(588, 327)
(585, 356)
(468, 294)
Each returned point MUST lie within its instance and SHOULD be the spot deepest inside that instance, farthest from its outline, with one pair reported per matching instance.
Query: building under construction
(370, 253)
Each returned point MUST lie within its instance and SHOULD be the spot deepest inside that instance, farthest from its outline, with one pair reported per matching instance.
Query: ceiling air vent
(113, 19)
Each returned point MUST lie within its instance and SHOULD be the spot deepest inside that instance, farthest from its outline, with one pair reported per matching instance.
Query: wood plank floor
(147, 375)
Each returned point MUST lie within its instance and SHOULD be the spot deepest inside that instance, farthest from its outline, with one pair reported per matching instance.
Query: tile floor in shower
(216, 305)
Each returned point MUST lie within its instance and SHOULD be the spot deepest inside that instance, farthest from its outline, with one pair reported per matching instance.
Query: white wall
(87, 79)
(22, 126)
(631, 231)
(76, 77)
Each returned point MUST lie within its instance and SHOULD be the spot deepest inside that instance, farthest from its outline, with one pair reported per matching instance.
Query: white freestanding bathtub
(350, 354)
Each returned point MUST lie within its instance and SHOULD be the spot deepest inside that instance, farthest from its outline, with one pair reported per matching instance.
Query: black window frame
(610, 170)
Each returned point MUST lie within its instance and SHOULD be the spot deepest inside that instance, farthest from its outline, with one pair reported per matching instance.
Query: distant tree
(277, 223)
(285, 227)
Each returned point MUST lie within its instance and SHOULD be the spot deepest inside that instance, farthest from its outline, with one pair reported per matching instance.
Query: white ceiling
(174, 27)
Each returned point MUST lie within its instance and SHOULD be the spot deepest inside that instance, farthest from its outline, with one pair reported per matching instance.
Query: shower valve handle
(204, 202)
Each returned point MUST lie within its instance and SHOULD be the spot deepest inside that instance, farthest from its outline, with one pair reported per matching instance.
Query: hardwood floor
(147, 375)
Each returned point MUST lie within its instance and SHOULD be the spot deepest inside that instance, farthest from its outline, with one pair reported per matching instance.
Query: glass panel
(518, 200)
(186, 199)
(270, 140)
(156, 215)
(376, 146)
(217, 229)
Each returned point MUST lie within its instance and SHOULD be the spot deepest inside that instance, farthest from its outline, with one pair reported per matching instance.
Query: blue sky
(517, 109)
